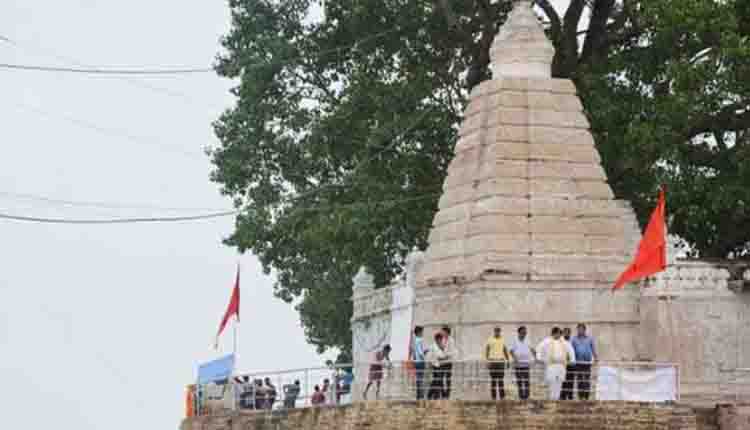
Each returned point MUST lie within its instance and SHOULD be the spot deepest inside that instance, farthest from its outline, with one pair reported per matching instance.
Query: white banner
(641, 385)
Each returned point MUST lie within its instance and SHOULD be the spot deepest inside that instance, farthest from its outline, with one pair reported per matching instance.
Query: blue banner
(216, 370)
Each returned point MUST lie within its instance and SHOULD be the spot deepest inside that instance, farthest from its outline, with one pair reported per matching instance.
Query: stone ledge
(465, 415)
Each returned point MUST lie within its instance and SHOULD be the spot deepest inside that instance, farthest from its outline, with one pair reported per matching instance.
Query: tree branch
(554, 19)
(596, 38)
(619, 32)
(565, 62)
(482, 59)
(451, 18)
(735, 117)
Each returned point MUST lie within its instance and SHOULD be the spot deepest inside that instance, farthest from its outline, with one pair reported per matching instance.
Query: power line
(103, 71)
(112, 132)
(163, 70)
(129, 79)
(45, 220)
(98, 204)
(116, 220)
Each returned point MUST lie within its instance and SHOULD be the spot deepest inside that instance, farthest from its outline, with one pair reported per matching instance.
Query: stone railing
(375, 302)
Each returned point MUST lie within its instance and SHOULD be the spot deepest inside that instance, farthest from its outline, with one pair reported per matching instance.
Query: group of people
(258, 394)
(333, 393)
(567, 361)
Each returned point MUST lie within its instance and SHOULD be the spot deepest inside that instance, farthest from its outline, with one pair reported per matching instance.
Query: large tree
(344, 124)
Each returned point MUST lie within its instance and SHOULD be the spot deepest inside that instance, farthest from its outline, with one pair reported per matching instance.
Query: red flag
(233, 308)
(652, 250)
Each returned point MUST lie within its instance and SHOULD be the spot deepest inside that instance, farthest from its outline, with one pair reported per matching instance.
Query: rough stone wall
(455, 415)
(733, 417)
(690, 316)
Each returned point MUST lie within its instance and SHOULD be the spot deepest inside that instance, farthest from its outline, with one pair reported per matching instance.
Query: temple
(528, 232)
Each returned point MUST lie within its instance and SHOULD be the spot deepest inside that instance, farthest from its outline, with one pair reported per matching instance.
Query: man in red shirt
(318, 398)
(376, 370)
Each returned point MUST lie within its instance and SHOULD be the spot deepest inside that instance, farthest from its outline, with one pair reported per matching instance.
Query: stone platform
(466, 415)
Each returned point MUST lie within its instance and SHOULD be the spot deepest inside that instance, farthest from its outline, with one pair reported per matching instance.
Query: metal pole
(307, 387)
(234, 340)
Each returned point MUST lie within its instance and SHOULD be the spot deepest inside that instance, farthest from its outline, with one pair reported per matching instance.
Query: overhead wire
(106, 71)
(141, 220)
(108, 131)
(99, 204)
(317, 208)
(125, 78)
(121, 134)
(163, 70)
(394, 140)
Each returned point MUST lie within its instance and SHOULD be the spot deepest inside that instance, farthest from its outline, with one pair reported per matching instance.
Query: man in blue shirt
(418, 352)
(585, 351)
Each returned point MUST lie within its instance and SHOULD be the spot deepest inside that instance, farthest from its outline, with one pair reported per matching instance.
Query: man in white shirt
(555, 353)
(523, 356)
(449, 346)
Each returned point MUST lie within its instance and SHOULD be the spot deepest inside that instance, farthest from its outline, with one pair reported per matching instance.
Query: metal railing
(286, 389)
(464, 380)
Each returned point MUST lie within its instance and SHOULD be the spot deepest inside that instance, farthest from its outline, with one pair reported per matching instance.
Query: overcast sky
(102, 326)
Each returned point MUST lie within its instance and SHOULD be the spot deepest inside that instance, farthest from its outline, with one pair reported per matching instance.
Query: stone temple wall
(697, 314)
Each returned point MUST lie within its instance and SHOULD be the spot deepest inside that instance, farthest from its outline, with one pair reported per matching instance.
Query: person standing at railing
(260, 392)
(585, 352)
(345, 387)
(190, 401)
(523, 356)
(418, 354)
(270, 393)
(437, 358)
(291, 392)
(244, 392)
(567, 387)
(446, 369)
(318, 398)
(327, 390)
(496, 354)
(555, 353)
(382, 358)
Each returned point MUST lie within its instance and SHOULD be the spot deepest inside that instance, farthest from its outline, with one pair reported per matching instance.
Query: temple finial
(521, 48)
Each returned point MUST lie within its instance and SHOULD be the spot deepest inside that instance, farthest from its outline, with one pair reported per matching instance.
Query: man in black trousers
(447, 367)
(567, 387)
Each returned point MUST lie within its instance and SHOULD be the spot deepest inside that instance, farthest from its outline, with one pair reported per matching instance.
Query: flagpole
(237, 317)
(234, 332)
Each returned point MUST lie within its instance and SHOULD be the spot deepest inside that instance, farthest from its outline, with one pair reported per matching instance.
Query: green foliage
(672, 107)
(339, 141)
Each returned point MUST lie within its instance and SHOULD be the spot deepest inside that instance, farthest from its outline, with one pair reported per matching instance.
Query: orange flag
(652, 251)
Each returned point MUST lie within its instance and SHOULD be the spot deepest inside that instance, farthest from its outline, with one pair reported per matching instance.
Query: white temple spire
(521, 48)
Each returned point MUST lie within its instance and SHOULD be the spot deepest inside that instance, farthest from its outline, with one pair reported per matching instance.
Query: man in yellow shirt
(497, 358)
